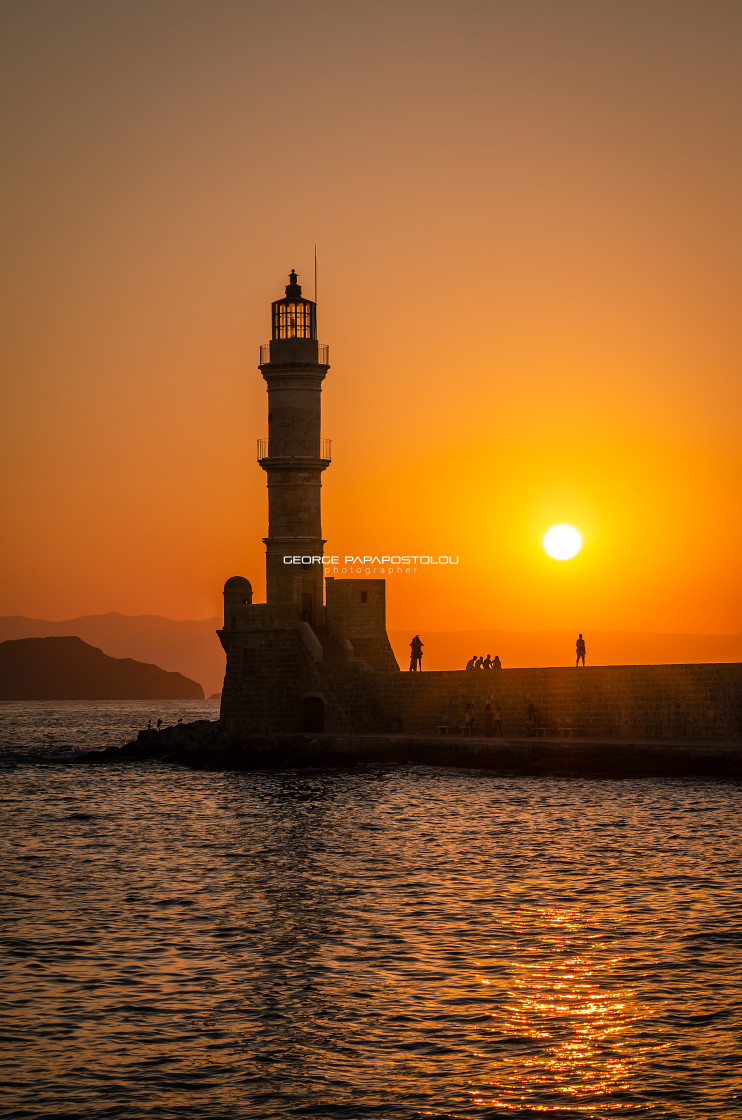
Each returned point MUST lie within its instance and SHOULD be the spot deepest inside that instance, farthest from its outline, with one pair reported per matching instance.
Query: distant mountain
(67, 668)
(191, 647)
(524, 649)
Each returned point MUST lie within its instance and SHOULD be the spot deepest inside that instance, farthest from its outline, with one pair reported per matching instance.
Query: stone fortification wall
(275, 661)
(356, 610)
(273, 665)
(615, 701)
(263, 678)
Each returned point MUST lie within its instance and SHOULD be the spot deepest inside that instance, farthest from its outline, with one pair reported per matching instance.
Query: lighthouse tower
(294, 455)
(301, 660)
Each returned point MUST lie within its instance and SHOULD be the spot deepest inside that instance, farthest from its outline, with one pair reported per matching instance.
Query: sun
(562, 542)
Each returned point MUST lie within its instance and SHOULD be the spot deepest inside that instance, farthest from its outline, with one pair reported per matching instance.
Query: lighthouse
(294, 365)
(307, 662)
(301, 660)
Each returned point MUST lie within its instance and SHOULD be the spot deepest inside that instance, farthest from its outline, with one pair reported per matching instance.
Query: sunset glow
(541, 321)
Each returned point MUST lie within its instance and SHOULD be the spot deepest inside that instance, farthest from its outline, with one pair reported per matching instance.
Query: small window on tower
(364, 596)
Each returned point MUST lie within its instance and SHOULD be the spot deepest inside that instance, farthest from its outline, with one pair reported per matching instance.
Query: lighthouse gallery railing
(323, 353)
(294, 449)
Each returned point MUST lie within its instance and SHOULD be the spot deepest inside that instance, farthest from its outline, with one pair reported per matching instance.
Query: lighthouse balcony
(294, 449)
(294, 351)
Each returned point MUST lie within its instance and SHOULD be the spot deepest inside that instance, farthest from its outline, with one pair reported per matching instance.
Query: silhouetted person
(159, 724)
(531, 719)
(580, 647)
(470, 662)
(489, 722)
(479, 663)
(149, 724)
(497, 720)
(497, 664)
(487, 663)
(416, 654)
(469, 719)
(180, 719)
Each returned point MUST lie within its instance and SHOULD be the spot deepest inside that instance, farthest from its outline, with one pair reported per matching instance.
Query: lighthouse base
(284, 674)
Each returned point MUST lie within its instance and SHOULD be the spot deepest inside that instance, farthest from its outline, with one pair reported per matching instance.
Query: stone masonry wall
(270, 671)
(264, 679)
(618, 701)
(356, 609)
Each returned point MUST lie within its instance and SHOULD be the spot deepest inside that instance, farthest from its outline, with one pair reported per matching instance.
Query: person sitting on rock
(479, 663)
(497, 664)
(487, 663)
(470, 662)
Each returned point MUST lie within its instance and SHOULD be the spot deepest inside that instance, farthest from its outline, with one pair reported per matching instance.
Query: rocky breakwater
(206, 745)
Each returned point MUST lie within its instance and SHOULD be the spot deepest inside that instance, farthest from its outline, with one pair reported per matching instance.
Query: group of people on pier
(487, 662)
(474, 662)
(492, 719)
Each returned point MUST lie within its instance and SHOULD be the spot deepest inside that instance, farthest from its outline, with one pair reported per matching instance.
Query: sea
(356, 943)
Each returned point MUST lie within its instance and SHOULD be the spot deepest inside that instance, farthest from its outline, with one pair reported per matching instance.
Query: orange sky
(527, 218)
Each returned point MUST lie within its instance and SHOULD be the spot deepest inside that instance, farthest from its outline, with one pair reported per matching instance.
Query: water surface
(373, 942)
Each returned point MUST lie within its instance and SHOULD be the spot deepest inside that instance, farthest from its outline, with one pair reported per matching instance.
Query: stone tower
(294, 456)
(296, 662)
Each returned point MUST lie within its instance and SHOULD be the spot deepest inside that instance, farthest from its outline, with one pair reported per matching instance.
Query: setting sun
(562, 542)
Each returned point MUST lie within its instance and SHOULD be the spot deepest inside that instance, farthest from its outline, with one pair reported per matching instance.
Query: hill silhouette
(191, 647)
(67, 668)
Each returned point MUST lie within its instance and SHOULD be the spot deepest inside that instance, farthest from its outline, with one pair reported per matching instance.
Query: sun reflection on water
(568, 1019)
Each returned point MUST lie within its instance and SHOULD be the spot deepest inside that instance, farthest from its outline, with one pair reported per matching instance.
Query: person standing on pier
(497, 720)
(416, 654)
(580, 647)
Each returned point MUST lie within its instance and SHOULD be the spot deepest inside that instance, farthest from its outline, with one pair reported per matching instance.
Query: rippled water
(389, 943)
